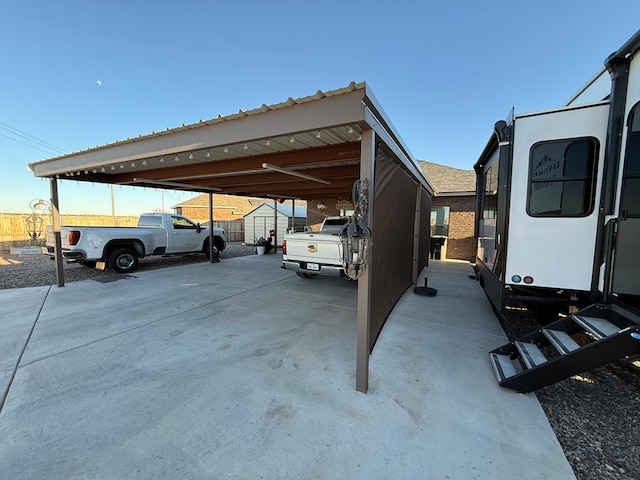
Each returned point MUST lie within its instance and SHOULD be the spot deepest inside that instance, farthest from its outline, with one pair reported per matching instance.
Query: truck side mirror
(198, 227)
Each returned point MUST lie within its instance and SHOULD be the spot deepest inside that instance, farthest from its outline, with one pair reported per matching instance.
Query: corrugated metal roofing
(332, 138)
(300, 148)
(286, 210)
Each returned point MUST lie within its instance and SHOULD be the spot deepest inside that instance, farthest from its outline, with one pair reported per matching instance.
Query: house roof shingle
(448, 180)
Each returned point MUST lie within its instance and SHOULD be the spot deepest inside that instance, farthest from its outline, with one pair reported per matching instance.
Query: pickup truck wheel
(123, 260)
(304, 275)
(216, 252)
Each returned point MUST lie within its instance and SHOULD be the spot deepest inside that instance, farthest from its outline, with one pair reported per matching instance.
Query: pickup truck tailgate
(314, 249)
(313, 253)
(50, 239)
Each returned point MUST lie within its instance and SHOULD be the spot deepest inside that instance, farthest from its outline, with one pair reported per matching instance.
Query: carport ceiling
(307, 148)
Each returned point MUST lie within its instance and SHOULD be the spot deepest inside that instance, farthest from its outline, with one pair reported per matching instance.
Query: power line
(29, 138)
(49, 152)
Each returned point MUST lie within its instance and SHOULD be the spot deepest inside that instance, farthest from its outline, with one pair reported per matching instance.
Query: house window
(440, 221)
(561, 178)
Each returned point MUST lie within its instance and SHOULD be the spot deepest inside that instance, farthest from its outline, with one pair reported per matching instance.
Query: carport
(312, 148)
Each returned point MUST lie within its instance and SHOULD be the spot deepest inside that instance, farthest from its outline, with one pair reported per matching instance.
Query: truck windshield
(334, 225)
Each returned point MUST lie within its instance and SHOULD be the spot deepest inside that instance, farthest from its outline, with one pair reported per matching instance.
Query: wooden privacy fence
(233, 229)
(14, 233)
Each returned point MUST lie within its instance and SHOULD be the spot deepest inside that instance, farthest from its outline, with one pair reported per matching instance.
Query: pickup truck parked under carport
(120, 248)
(315, 253)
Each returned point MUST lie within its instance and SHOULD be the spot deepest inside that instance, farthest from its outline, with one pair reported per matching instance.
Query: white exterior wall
(259, 222)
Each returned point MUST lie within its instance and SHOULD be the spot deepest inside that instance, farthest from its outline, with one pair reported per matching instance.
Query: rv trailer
(558, 225)
(558, 197)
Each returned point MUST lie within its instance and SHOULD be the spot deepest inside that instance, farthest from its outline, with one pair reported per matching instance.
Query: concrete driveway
(241, 370)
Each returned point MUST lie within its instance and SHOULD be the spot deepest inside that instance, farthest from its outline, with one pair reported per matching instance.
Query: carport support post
(211, 228)
(275, 226)
(55, 213)
(367, 167)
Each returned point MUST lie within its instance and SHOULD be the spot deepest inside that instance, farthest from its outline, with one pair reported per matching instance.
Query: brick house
(317, 211)
(225, 207)
(453, 209)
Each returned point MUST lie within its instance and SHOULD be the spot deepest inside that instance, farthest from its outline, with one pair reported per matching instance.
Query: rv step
(562, 342)
(530, 354)
(522, 366)
(502, 366)
(597, 326)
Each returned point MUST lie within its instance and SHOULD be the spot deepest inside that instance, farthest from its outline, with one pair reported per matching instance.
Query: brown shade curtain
(391, 266)
(425, 229)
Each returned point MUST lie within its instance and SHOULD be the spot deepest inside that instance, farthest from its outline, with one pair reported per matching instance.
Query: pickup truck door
(184, 236)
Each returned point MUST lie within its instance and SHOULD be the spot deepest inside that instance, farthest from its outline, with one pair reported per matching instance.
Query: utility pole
(113, 203)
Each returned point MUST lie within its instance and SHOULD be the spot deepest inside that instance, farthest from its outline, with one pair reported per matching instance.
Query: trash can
(438, 248)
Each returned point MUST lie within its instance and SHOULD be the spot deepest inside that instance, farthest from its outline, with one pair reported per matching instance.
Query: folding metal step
(530, 354)
(562, 342)
(599, 327)
(503, 366)
(522, 366)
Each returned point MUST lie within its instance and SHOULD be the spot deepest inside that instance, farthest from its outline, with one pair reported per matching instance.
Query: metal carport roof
(313, 147)
(304, 148)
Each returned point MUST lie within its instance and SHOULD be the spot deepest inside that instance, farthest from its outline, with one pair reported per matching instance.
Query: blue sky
(77, 74)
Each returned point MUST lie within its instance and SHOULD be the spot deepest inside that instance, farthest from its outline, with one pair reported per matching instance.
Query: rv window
(561, 178)
(490, 200)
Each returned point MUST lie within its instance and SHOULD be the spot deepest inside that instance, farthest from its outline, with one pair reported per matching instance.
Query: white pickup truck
(315, 253)
(120, 248)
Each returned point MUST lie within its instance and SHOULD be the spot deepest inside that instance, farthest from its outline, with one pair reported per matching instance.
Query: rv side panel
(625, 285)
(493, 170)
(556, 173)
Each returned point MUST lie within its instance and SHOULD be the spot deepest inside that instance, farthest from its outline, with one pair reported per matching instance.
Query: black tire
(207, 252)
(219, 243)
(304, 275)
(123, 260)
(88, 263)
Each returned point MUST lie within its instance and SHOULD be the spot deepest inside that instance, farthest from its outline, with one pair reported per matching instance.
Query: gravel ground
(17, 271)
(595, 416)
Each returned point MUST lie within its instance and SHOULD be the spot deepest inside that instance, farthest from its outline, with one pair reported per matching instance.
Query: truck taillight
(73, 237)
(284, 247)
